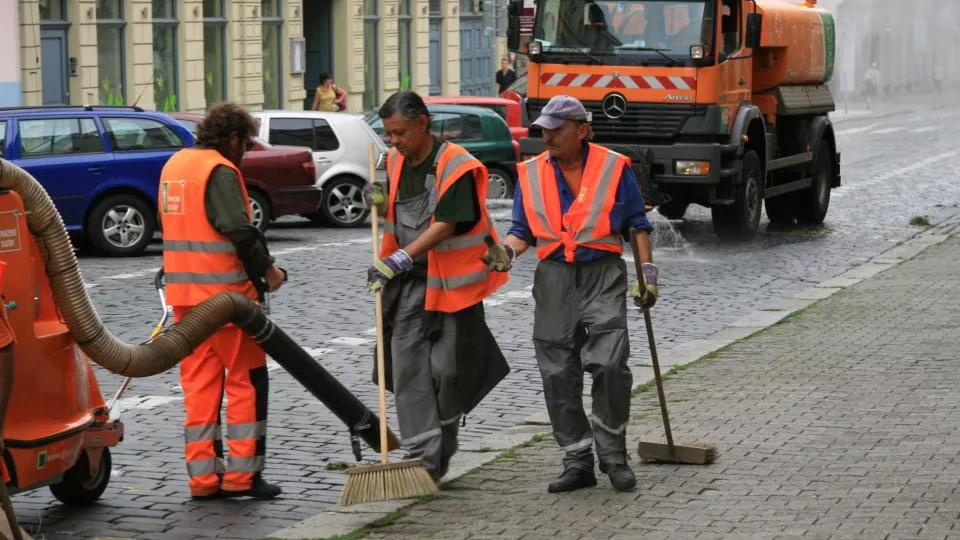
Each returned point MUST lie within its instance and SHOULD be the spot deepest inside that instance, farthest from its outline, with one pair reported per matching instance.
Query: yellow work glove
(645, 294)
(499, 257)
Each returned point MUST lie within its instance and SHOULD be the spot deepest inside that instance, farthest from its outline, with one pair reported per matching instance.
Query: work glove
(374, 195)
(499, 257)
(386, 268)
(645, 294)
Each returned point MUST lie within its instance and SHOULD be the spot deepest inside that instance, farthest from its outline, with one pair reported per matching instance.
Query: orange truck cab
(721, 103)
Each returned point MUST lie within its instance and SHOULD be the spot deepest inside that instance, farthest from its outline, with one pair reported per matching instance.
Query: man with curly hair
(210, 246)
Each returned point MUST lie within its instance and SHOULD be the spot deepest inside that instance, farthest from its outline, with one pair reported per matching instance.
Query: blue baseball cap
(560, 109)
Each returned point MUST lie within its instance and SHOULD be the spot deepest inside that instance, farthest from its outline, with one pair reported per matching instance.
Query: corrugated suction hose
(169, 348)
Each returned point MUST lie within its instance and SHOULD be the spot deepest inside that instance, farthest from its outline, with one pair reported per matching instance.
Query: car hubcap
(123, 226)
(346, 203)
(497, 187)
(752, 192)
(257, 212)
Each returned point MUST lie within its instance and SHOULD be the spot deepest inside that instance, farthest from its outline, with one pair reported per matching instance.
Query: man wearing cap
(577, 203)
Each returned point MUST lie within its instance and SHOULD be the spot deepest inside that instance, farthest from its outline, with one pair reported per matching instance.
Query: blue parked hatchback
(100, 165)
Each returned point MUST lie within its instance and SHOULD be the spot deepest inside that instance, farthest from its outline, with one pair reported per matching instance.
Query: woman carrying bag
(329, 97)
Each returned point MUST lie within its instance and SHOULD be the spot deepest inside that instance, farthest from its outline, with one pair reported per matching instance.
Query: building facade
(183, 55)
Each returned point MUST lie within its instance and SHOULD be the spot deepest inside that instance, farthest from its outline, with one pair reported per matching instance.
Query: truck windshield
(654, 30)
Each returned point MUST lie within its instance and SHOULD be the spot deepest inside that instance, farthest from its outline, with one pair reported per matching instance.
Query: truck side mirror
(514, 9)
(754, 30)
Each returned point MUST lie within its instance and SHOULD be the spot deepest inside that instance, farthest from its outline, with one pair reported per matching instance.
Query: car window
(129, 134)
(324, 136)
(291, 132)
(376, 124)
(447, 125)
(3, 136)
(471, 127)
(501, 110)
(190, 125)
(59, 136)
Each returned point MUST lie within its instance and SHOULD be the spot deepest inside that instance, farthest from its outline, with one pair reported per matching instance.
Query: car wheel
(500, 184)
(79, 487)
(260, 209)
(121, 225)
(342, 203)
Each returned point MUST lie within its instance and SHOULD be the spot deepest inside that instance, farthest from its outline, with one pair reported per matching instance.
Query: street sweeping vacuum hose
(168, 349)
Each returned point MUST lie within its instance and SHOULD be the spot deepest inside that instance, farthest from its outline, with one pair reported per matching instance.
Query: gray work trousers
(580, 324)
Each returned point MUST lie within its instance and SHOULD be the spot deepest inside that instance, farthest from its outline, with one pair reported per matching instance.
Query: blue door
(68, 157)
(53, 79)
(476, 58)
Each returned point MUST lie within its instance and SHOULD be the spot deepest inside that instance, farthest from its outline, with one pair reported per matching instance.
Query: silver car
(340, 143)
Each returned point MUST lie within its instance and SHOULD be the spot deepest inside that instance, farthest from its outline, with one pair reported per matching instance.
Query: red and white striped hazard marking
(644, 82)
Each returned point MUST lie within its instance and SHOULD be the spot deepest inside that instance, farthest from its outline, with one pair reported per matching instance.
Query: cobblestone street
(841, 421)
(796, 420)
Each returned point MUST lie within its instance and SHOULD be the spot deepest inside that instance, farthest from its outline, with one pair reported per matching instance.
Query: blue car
(100, 165)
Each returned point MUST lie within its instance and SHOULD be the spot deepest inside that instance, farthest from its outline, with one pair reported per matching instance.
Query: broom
(384, 481)
(692, 452)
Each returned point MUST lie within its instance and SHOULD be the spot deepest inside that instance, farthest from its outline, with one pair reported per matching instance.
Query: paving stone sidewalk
(842, 421)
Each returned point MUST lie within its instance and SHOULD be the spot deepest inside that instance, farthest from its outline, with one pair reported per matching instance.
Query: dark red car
(281, 180)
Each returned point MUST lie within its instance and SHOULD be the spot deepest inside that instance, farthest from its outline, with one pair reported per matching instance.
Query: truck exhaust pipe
(168, 349)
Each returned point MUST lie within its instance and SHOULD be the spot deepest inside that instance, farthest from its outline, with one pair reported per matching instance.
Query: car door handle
(323, 160)
(96, 170)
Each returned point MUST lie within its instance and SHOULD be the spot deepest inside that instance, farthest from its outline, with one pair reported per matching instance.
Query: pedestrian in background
(440, 356)
(506, 76)
(210, 246)
(329, 97)
(576, 203)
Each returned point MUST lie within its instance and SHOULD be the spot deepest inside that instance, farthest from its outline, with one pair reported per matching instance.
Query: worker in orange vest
(210, 246)
(442, 355)
(576, 203)
(7, 341)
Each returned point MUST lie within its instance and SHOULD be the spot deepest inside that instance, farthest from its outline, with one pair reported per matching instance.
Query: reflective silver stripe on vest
(461, 242)
(250, 464)
(203, 467)
(536, 198)
(194, 246)
(585, 235)
(251, 430)
(223, 278)
(449, 284)
(451, 166)
(388, 227)
(612, 239)
(209, 432)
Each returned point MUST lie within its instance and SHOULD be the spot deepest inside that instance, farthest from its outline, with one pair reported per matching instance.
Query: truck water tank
(797, 46)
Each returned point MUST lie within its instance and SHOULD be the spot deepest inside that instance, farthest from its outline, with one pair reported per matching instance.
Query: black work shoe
(261, 489)
(573, 479)
(621, 477)
(209, 497)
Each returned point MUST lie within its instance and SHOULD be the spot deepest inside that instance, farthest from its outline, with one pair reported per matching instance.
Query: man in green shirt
(441, 357)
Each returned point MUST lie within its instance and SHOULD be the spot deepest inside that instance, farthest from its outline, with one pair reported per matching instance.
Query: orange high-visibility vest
(198, 261)
(456, 277)
(587, 222)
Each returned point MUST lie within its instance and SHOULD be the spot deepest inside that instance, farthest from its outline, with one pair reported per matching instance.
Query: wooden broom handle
(378, 313)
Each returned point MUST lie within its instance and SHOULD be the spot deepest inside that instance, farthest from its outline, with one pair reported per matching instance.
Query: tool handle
(653, 346)
(378, 313)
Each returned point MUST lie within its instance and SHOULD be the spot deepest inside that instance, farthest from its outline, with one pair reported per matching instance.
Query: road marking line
(351, 341)
(926, 129)
(146, 402)
(890, 175)
(858, 129)
(888, 130)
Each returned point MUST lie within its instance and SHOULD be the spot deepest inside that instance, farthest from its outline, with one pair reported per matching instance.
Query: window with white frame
(165, 55)
(272, 54)
(371, 57)
(110, 52)
(214, 51)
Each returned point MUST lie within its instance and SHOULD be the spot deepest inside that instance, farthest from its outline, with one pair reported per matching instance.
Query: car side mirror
(514, 9)
(754, 30)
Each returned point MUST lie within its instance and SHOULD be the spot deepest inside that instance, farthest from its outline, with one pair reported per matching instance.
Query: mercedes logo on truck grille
(614, 106)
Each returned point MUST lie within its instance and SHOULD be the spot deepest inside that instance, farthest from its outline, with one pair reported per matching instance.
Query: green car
(481, 132)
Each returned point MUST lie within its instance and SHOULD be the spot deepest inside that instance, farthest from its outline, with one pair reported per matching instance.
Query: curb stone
(340, 520)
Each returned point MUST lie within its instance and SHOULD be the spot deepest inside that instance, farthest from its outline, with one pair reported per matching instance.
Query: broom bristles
(387, 482)
(689, 451)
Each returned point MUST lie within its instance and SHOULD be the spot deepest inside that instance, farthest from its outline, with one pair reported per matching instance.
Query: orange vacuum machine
(58, 429)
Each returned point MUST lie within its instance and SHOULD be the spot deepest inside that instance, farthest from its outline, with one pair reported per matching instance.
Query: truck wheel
(78, 487)
(741, 220)
(781, 210)
(813, 202)
(673, 210)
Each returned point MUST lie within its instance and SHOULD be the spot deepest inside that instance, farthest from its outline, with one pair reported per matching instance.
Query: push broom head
(387, 482)
(690, 452)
